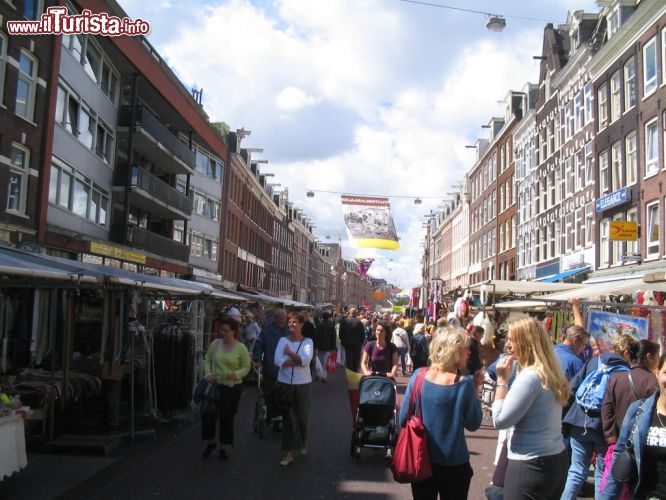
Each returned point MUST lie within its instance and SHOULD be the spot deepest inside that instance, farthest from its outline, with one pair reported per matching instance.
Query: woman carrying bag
(639, 459)
(227, 362)
(292, 356)
(448, 404)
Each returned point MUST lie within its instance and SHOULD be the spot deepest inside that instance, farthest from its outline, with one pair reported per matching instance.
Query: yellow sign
(116, 253)
(623, 231)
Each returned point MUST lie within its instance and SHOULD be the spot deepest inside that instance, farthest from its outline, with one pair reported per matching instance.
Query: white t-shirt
(301, 374)
(252, 331)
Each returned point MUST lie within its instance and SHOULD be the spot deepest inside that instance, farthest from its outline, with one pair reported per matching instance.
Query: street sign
(631, 258)
(614, 199)
(623, 231)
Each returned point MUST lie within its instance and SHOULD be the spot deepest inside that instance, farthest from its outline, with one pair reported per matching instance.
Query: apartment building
(320, 275)
(28, 67)
(460, 238)
(303, 243)
(128, 140)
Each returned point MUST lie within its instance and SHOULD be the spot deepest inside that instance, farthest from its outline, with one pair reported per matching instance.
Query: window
(580, 170)
(587, 102)
(589, 163)
(617, 172)
(578, 111)
(568, 120)
(651, 148)
(3, 63)
(31, 9)
(652, 235)
(604, 241)
(18, 179)
(79, 195)
(616, 246)
(602, 107)
(615, 101)
(589, 221)
(26, 86)
(630, 84)
(208, 166)
(613, 21)
(633, 247)
(650, 67)
(604, 186)
(630, 158)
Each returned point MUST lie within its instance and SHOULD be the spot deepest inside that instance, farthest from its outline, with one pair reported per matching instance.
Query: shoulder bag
(624, 467)
(207, 394)
(284, 393)
(411, 460)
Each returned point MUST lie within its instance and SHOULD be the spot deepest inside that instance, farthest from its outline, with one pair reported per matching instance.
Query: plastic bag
(319, 370)
(330, 361)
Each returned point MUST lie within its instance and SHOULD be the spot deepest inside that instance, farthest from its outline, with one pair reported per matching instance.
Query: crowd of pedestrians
(561, 409)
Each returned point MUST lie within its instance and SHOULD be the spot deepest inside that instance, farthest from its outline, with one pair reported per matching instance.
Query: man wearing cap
(264, 353)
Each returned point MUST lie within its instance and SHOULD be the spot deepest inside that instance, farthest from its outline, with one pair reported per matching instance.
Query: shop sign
(116, 253)
(30, 246)
(613, 200)
(623, 230)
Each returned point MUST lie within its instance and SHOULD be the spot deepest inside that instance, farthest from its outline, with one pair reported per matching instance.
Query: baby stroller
(260, 408)
(376, 421)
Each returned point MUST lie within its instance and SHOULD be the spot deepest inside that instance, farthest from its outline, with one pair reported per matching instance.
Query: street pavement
(173, 468)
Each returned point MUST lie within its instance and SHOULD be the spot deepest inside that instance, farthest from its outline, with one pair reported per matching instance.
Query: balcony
(151, 242)
(155, 142)
(153, 195)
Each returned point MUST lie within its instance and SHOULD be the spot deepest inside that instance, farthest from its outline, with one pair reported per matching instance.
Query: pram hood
(377, 391)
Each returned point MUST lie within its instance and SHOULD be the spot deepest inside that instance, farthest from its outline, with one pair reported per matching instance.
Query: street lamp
(496, 23)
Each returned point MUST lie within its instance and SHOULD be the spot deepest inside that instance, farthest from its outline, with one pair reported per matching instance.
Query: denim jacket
(613, 487)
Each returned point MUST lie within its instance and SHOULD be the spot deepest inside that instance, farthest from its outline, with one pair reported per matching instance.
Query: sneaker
(208, 450)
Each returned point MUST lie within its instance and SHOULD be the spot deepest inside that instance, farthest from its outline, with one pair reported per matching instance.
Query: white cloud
(292, 99)
(356, 96)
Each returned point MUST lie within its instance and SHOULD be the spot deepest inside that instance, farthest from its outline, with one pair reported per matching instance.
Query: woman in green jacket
(227, 362)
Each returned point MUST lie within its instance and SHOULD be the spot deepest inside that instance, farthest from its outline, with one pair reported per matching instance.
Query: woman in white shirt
(292, 356)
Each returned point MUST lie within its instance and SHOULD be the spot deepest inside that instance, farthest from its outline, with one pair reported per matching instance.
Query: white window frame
(616, 246)
(31, 82)
(604, 177)
(629, 83)
(588, 102)
(613, 18)
(602, 106)
(604, 243)
(618, 176)
(652, 162)
(22, 172)
(652, 246)
(589, 163)
(631, 157)
(578, 112)
(615, 96)
(589, 223)
(663, 56)
(650, 84)
(633, 246)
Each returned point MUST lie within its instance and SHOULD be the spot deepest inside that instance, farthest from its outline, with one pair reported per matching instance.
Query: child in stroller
(375, 422)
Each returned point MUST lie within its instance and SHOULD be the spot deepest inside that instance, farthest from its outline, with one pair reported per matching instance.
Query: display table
(12, 451)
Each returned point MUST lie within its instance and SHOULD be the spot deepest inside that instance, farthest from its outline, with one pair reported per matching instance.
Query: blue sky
(357, 96)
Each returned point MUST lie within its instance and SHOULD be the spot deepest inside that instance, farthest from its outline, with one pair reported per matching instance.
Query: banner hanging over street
(363, 265)
(369, 222)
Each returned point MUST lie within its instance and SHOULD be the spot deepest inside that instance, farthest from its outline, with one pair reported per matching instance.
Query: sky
(374, 97)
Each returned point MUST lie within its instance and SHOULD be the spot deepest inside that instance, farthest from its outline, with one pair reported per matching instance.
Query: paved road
(174, 468)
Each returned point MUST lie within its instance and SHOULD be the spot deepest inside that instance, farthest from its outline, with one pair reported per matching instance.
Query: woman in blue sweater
(533, 408)
(449, 405)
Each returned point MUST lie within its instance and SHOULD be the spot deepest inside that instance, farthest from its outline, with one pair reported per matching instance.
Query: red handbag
(411, 460)
(330, 362)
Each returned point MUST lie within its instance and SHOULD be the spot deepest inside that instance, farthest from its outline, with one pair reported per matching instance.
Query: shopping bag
(330, 361)
(411, 460)
(341, 356)
(319, 370)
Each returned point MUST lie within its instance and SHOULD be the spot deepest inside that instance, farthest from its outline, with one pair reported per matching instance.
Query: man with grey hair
(574, 340)
(264, 354)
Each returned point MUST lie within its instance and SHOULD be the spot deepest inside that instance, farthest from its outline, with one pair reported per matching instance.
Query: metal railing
(146, 181)
(152, 125)
(151, 242)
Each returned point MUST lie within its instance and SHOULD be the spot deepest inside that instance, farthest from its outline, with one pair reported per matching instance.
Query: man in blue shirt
(574, 340)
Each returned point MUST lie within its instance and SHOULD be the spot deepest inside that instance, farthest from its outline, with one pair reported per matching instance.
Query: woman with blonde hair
(533, 408)
(448, 404)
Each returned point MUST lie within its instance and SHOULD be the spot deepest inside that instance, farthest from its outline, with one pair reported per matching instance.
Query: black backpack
(418, 350)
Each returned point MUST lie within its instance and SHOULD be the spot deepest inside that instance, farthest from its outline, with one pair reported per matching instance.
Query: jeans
(539, 478)
(227, 408)
(583, 444)
(295, 433)
(449, 481)
(402, 352)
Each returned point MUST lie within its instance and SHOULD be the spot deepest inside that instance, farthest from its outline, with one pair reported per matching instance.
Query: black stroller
(375, 425)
